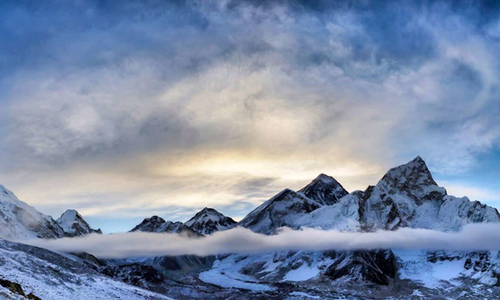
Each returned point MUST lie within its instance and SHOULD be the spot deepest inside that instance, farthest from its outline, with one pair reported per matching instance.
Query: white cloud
(473, 237)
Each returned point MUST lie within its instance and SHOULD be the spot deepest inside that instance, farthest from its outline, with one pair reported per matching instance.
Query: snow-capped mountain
(19, 220)
(324, 189)
(287, 207)
(281, 210)
(73, 224)
(209, 220)
(406, 196)
(159, 225)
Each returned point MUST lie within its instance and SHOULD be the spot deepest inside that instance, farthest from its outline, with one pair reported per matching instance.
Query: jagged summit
(413, 179)
(209, 220)
(415, 171)
(159, 225)
(152, 224)
(324, 189)
(73, 224)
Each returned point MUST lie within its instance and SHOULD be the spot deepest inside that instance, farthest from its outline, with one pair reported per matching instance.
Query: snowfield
(52, 276)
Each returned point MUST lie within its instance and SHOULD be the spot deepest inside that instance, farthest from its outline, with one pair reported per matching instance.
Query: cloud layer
(473, 237)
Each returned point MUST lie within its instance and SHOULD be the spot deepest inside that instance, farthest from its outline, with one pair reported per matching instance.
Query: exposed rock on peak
(414, 179)
(159, 225)
(152, 224)
(406, 196)
(73, 224)
(325, 190)
(209, 220)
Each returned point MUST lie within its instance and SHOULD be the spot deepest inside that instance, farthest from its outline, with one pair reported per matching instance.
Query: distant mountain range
(406, 196)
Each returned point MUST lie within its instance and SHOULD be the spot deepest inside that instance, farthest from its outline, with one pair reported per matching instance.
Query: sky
(128, 109)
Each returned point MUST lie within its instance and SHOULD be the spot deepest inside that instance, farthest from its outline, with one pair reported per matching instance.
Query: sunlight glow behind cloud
(137, 110)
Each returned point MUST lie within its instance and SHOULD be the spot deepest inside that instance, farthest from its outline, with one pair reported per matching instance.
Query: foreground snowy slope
(49, 275)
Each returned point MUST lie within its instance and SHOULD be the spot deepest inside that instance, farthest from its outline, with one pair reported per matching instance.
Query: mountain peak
(325, 178)
(73, 224)
(209, 211)
(149, 224)
(324, 189)
(208, 220)
(159, 225)
(412, 178)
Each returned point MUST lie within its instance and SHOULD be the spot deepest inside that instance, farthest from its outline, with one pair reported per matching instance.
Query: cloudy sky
(125, 109)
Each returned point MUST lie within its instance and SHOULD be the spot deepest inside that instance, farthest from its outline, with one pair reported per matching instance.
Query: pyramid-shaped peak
(325, 178)
(209, 220)
(418, 159)
(154, 219)
(417, 162)
(208, 211)
(73, 224)
(150, 224)
(205, 213)
(414, 169)
(413, 178)
(324, 189)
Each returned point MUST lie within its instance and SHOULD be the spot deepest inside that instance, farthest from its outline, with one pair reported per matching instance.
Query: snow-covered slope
(324, 189)
(209, 220)
(279, 211)
(49, 275)
(19, 220)
(73, 224)
(159, 225)
(407, 196)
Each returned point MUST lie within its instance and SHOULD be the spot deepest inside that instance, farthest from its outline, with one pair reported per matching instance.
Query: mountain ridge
(405, 196)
